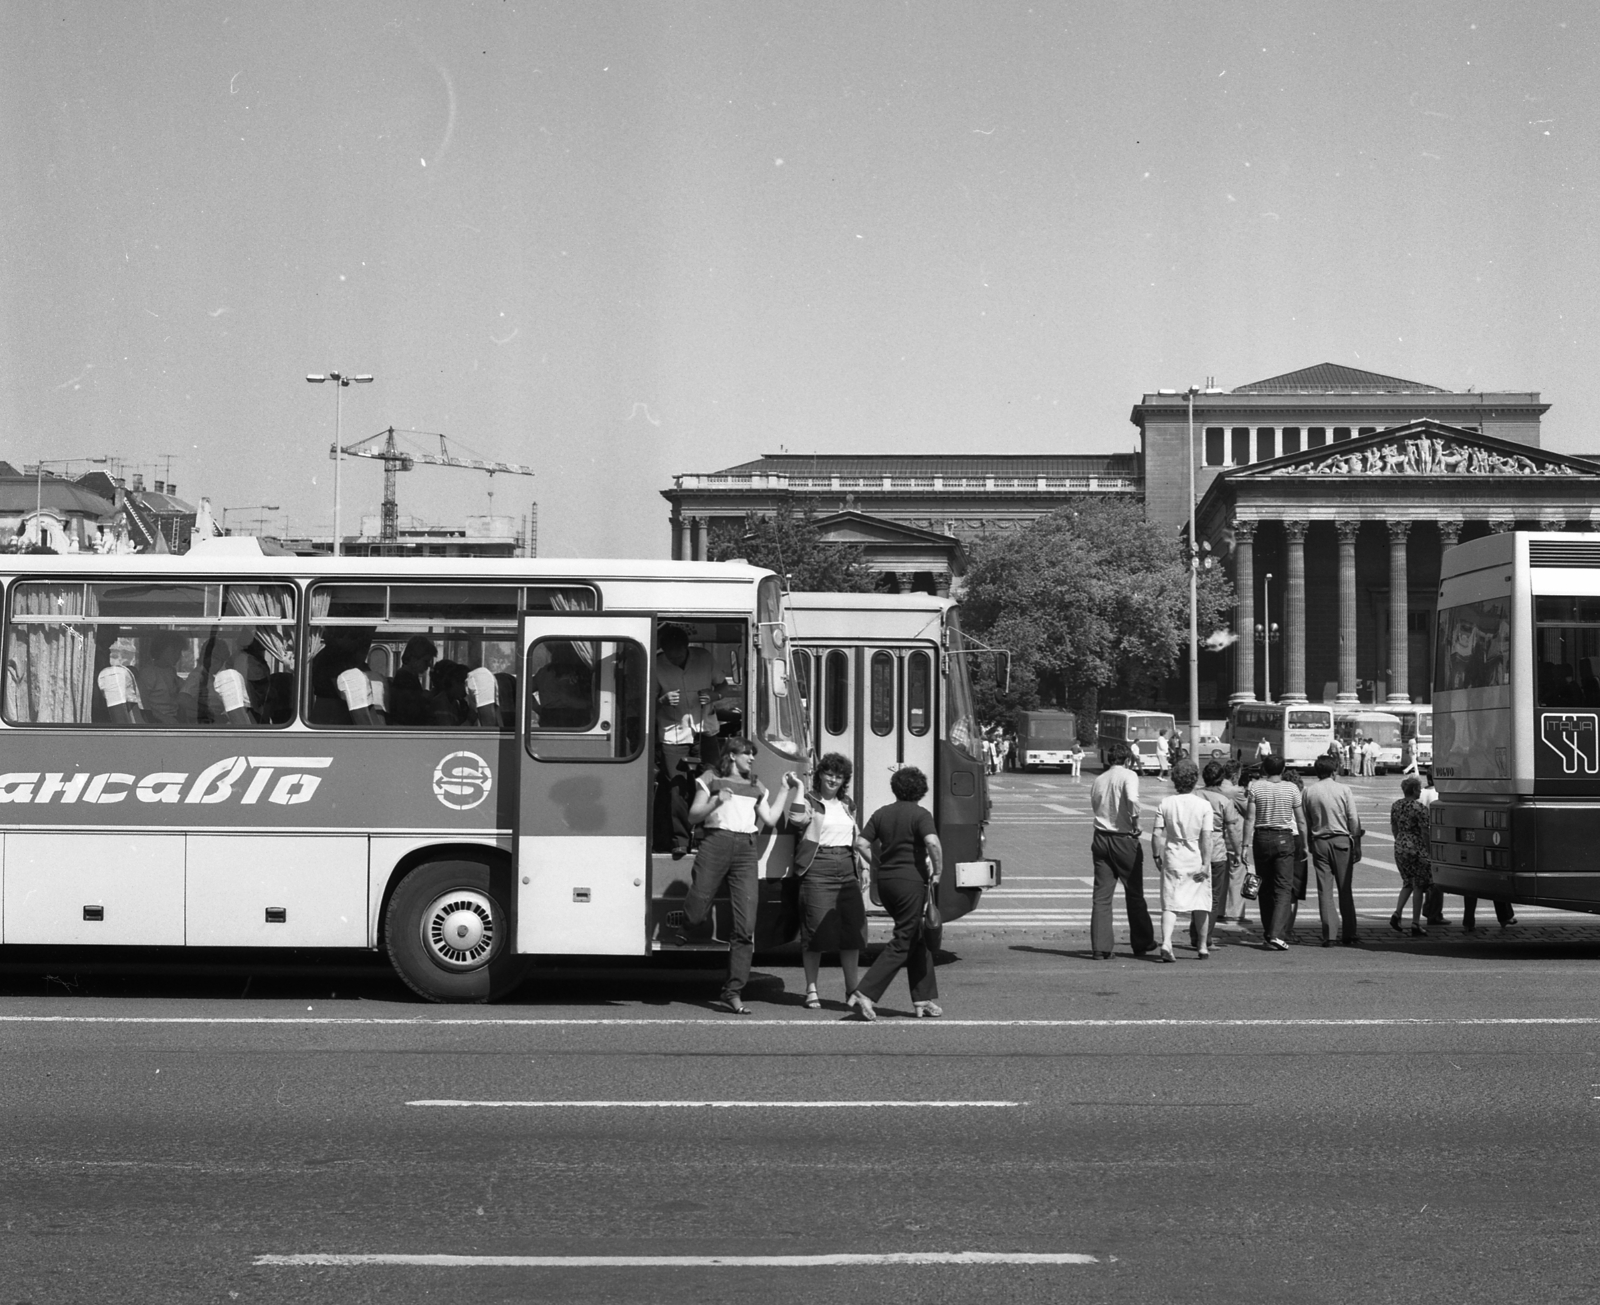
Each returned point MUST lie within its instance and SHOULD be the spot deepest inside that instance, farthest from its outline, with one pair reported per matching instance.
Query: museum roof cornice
(1211, 407)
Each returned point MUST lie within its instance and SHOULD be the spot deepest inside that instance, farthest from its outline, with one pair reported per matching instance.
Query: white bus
(885, 680)
(1299, 732)
(1416, 732)
(1144, 732)
(207, 751)
(1516, 704)
(1353, 726)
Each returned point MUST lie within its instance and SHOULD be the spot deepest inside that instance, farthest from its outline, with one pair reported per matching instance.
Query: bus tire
(448, 934)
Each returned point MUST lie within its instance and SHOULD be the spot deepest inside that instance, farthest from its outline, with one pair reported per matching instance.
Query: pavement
(1412, 1121)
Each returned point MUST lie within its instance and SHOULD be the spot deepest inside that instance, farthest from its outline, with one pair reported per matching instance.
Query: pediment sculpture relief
(1427, 456)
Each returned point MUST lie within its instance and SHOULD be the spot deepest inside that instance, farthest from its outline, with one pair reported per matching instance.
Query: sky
(618, 242)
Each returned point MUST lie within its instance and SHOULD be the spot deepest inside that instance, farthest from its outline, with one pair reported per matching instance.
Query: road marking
(727, 1022)
(672, 1261)
(731, 1105)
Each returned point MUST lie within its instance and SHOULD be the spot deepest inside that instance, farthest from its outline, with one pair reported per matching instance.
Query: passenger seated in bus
(483, 693)
(451, 708)
(408, 693)
(121, 694)
(506, 682)
(563, 689)
(355, 687)
(234, 696)
(198, 700)
(277, 707)
(343, 648)
(251, 663)
(157, 676)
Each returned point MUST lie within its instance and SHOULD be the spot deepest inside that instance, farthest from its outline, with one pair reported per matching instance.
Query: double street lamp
(261, 509)
(340, 380)
(1268, 633)
(1194, 584)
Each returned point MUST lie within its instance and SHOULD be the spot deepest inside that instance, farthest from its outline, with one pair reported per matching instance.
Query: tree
(790, 544)
(1092, 605)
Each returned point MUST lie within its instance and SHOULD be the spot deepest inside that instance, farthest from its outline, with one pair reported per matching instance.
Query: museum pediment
(1421, 449)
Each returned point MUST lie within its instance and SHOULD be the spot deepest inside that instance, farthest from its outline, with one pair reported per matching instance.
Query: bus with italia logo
(1516, 720)
(456, 762)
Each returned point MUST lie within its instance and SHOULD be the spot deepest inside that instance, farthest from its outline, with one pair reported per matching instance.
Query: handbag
(932, 921)
(1251, 888)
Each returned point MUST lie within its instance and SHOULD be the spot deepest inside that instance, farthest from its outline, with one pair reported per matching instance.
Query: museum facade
(1328, 494)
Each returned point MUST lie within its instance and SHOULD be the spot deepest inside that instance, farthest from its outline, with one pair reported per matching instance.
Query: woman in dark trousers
(907, 858)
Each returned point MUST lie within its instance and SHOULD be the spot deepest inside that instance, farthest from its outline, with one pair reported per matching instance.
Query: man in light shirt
(1118, 856)
(1333, 826)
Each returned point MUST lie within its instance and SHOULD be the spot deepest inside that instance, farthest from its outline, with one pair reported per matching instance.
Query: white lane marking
(731, 1105)
(672, 1261)
(727, 1022)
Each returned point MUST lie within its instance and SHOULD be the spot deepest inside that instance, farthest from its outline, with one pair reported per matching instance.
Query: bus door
(582, 838)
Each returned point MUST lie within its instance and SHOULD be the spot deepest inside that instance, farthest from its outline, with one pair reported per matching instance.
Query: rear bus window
(164, 654)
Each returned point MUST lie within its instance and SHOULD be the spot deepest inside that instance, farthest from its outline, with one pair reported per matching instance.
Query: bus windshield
(960, 716)
(1149, 726)
(1052, 729)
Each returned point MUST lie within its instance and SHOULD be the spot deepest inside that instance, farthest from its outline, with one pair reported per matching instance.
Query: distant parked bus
(1416, 732)
(1382, 727)
(1297, 732)
(1046, 738)
(1133, 728)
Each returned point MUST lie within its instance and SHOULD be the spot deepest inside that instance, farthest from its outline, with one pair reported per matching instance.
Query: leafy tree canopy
(1093, 606)
(790, 544)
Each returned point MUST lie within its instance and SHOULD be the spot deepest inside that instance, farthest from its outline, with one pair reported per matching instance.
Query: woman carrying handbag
(833, 915)
(908, 859)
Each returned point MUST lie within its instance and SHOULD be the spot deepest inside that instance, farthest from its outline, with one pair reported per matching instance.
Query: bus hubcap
(458, 929)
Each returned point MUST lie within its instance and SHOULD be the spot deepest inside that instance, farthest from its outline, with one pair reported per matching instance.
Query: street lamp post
(1267, 631)
(340, 380)
(1194, 598)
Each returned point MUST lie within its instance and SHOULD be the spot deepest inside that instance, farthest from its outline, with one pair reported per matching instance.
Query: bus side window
(919, 682)
(836, 691)
(187, 654)
(882, 693)
(587, 699)
(434, 656)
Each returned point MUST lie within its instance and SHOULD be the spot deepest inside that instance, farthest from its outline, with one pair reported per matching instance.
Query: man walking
(1273, 813)
(1118, 856)
(1227, 842)
(1332, 828)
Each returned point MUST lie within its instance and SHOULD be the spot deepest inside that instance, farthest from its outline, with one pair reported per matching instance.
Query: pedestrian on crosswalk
(1118, 856)
(1227, 844)
(1333, 829)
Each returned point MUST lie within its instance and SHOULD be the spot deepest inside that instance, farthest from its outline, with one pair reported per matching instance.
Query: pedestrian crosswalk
(1041, 829)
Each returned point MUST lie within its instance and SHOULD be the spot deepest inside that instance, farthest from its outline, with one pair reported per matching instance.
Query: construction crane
(395, 460)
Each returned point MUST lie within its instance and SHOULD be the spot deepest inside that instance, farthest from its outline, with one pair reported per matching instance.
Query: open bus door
(582, 837)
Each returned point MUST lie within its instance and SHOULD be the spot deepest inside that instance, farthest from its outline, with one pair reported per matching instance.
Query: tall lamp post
(1267, 631)
(340, 380)
(1194, 597)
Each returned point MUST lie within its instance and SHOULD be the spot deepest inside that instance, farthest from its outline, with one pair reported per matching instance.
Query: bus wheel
(449, 937)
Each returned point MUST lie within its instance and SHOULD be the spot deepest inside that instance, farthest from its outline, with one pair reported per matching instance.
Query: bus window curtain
(269, 603)
(577, 603)
(50, 669)
(321, 601)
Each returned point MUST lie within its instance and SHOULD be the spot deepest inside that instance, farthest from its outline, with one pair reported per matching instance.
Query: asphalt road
(1410, 1121)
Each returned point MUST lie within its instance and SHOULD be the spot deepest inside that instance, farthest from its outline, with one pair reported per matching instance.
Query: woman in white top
(733, 807)
(1181, 843)
(833, 914)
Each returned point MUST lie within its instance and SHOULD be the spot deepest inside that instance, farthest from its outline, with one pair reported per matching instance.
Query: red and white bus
(452, 761)
(886, 682)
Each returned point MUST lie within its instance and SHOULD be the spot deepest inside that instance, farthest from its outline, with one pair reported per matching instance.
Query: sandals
(813, 1001)
(732, 1001)
(1394, 922)
(863, 1006)
(1417, 931)
(928, 1009)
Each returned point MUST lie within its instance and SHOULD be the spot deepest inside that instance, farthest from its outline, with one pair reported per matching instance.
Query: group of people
(1215, 844)
(836, 860)
(1357, 755)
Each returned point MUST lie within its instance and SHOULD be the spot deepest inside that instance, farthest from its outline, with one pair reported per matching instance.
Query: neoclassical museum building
(1329, 494)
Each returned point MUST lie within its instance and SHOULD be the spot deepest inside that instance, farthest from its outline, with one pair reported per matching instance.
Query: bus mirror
(774, 638)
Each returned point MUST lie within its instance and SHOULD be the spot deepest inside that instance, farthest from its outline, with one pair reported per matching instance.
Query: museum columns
(1347, 612)
(1399, 613)
(685, 547)
(1244, 584)
(1294, 615)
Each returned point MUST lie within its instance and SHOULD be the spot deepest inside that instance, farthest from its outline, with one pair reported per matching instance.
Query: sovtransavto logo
(462, 780)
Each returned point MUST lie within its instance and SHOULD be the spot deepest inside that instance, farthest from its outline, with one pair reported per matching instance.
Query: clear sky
(622, 241)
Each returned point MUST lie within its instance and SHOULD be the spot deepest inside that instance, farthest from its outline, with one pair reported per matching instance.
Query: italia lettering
(283, 781)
